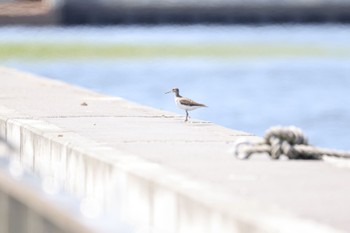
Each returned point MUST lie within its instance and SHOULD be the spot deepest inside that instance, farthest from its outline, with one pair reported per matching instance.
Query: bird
(185, 103)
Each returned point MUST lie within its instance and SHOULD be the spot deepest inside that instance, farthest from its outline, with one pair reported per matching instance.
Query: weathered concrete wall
(157, 172)
(24, 209)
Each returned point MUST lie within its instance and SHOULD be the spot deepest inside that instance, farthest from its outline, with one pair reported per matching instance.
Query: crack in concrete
(108, 116)
(177, 141)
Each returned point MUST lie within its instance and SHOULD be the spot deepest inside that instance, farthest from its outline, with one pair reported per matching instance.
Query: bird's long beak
(167, 92)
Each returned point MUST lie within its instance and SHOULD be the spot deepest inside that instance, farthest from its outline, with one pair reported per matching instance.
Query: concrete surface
(26, 209)
(159, 173)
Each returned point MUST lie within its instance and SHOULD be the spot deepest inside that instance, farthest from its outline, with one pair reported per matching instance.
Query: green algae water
(97, 51)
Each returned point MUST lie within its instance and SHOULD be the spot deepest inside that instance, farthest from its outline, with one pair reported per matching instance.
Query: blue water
(250, 94)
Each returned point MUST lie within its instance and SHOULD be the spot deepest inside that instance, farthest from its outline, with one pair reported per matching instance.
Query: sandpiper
(185, 103)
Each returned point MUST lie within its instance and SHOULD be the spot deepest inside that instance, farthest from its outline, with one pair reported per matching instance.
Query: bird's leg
(186, 115)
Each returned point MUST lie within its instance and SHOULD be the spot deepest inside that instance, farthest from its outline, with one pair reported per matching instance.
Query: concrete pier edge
(38, 213)
(167, 184)
(153, 197)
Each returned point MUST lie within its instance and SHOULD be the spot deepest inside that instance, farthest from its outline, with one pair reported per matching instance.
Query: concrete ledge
(25, 209)
(158, 173)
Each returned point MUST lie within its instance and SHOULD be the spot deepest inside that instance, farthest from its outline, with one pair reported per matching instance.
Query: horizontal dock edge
(169, 12)
(126, 13)
(151, 197)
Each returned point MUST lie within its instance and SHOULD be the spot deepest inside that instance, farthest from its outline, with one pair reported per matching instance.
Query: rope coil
(288, 141)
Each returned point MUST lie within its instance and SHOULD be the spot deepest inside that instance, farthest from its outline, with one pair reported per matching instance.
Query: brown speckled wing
(189, 102)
